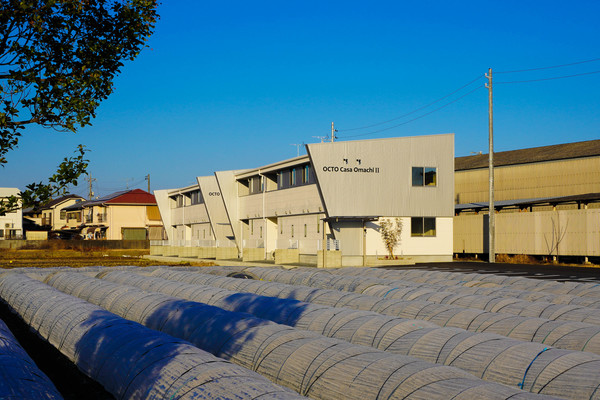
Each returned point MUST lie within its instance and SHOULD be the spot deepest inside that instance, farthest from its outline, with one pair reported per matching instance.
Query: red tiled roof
(136, 196)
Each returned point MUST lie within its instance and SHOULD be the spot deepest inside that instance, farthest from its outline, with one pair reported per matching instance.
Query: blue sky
(233, 84)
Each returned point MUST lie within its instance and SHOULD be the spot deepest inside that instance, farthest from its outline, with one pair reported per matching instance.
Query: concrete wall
(575, 232)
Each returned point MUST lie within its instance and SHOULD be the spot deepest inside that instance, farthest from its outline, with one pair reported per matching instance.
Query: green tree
(58, 60)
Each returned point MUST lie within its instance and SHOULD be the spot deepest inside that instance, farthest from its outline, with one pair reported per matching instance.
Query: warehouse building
(546, 199)
(335, 197)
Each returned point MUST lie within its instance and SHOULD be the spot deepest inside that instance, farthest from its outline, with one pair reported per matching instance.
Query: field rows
(169, 333)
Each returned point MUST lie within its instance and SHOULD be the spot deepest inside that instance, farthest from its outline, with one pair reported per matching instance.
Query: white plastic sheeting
(313, 365)
(459, 282)
(129, 360)
(489, 299)
(561, 334)
(20, 378)
(531, 366)
(579, 289)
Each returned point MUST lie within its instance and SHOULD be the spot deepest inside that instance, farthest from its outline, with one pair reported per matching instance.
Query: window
(424, 176)
(293, 177)
(422, 226)
(1, 233)
(63, 214)
(196, 197)
(256, 184)
(179, 201)
(306, 174)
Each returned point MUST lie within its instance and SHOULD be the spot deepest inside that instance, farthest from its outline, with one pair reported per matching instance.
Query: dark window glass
(417, 176)
(420, 226)
(430, 177)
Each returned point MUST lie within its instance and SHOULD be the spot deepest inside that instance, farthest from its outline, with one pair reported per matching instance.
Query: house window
(424, 176)
(63, 214)
(1, 233)
(422, 227)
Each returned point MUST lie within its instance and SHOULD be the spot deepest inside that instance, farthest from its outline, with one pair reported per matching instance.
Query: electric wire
(548, 79)
(419, 117)
(550, 67)
(413, 111)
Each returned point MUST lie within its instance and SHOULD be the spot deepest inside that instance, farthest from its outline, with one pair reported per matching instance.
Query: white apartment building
(335, 195)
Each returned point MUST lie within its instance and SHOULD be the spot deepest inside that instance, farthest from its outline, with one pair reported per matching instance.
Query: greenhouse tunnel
(20, 378)
(129, 360)
(560, 334)
(313, 365)
(488, 356)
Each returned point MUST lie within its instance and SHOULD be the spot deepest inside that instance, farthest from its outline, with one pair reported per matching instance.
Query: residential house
(11, 224)
(125, 215)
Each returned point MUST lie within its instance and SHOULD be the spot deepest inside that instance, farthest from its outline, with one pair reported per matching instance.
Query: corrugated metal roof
(535, 154)
(583, 198)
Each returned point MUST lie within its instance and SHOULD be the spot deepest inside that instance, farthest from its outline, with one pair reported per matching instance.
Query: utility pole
(333, 131)
(148, 179)
(491, 209)
(90, 191)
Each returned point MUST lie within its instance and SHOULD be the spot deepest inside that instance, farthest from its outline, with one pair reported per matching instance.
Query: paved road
(538, 271)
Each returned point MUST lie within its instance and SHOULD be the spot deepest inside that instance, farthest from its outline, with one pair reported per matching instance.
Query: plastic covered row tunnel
(561, 334)
(579, 289)
(129, 360)
(457, 282)
(313, 365)
(20, 378)
(531, 366)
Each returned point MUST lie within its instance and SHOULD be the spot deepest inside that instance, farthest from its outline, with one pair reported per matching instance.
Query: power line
(419, 117)
(551, 67)
(414, 111)
(549, 79)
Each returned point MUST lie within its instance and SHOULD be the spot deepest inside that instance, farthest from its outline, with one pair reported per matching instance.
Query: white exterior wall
(12, 221)
(383, 188)
(124, 217)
